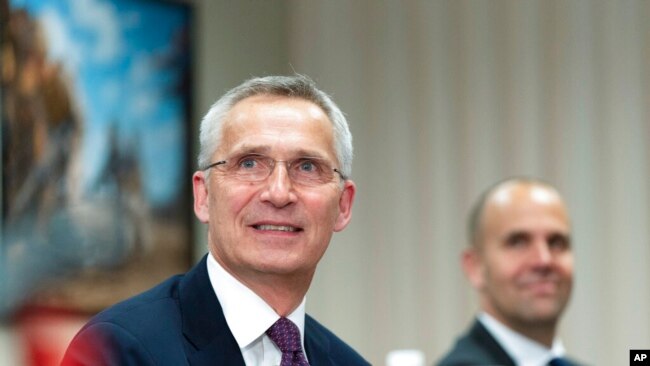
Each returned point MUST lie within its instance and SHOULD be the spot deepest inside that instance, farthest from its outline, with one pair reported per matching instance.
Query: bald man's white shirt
(523, 350)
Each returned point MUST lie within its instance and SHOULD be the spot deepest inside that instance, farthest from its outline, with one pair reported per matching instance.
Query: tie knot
(285, 334)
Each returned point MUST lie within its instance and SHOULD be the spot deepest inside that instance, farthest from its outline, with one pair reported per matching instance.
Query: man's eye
(306, 166)
(559, 242)
(248, 163)
(517, 240)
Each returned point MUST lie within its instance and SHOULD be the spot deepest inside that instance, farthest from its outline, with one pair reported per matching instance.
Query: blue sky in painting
(111, 49)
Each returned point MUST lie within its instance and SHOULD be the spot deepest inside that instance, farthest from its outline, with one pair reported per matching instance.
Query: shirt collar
(247, 315)
(523, 350)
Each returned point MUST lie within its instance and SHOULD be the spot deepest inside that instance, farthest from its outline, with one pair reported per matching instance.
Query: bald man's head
(500, 192)
(521, 260)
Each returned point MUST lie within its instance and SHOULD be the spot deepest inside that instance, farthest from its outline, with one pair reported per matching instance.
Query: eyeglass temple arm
(341, 174)
(214, 164)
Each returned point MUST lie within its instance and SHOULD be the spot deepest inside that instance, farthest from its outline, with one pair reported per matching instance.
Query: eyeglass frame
(288, 164)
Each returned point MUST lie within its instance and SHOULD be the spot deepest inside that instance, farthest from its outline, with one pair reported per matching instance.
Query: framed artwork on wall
(96, 117)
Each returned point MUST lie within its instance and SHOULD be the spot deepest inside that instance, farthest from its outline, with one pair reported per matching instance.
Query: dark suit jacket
(180, 322)
(479, 347)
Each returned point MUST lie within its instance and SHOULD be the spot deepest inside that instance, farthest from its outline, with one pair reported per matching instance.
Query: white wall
(445, 98)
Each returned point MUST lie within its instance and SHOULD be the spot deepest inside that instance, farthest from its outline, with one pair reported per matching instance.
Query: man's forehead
(288, 128)
(274, 112)
(515, 193)
(252, 148)
(525, 203)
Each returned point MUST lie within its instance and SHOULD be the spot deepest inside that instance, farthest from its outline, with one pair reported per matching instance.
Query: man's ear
(345, 205)
(472, 264)
(200, 189)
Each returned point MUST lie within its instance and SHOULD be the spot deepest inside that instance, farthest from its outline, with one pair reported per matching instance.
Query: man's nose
(542, 252)
(279, 189)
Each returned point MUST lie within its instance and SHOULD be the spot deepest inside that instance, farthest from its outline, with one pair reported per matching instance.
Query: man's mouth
(285, 228)
(545, 286)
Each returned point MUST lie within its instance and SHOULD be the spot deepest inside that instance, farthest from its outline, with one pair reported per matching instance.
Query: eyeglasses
(306, 171)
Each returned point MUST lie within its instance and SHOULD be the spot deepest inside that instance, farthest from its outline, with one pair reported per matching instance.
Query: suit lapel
(204, 326)
(482, 337)
(317, 345)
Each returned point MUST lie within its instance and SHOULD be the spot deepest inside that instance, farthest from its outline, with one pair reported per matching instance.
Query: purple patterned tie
(286, 336)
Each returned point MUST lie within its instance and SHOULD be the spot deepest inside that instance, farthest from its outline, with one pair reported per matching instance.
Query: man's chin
(539, 314)
(282, 267)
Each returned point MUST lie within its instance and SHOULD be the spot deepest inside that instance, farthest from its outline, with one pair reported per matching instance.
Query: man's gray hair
(296, 86)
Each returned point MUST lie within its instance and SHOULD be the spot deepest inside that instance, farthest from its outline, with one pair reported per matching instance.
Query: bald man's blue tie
(558, 362)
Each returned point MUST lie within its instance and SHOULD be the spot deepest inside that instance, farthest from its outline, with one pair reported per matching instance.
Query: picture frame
(96, 136)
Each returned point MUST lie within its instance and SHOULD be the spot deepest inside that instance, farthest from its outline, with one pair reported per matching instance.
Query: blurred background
(443, 99)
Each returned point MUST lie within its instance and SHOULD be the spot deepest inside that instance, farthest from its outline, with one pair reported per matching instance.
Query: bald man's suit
(478, 347)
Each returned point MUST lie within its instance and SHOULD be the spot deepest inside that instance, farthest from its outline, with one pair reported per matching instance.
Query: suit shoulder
(462, 356)
(135, 327)
(339, 351)
(104, 343)
(573, 362)
(467, 351)
(152, 301)
(146, 314)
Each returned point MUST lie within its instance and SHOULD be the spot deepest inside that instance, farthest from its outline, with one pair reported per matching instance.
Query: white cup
(405, 357)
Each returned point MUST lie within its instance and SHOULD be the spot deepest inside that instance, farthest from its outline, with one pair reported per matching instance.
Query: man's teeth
(276, 228)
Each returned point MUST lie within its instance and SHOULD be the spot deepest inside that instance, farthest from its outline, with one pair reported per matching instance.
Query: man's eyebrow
(310, 153)
(517, 234)
(560, 234)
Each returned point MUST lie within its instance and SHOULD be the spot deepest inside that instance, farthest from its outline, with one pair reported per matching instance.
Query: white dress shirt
(524, 351)
(248, 317)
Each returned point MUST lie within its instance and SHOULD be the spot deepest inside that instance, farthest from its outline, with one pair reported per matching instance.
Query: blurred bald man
(521, 263)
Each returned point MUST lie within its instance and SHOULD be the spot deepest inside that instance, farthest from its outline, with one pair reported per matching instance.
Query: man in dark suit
(521, 263)
(273, 186)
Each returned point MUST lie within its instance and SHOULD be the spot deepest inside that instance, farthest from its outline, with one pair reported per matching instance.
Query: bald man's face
(523, 262)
